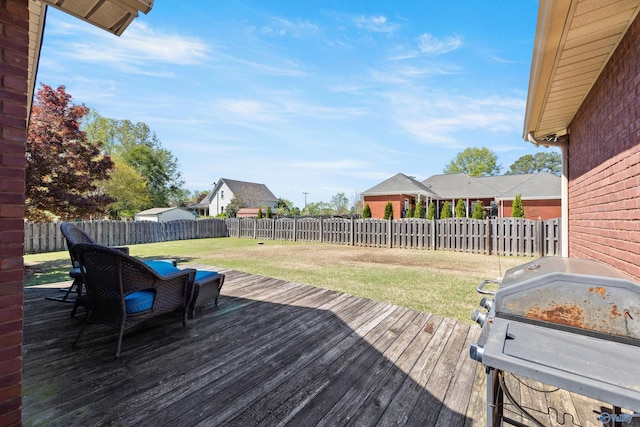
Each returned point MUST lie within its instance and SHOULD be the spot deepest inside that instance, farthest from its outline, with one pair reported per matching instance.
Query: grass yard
(438, 282)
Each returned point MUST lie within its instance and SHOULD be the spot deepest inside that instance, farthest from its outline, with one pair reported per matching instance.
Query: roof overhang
(574, 41)
(113, 16)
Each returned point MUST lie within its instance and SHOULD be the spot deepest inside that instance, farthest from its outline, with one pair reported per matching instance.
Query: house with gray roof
(252, 194)
(540, 193)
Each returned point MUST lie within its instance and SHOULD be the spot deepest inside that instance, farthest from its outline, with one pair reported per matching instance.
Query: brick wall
(378, 203)
(14, 43)
(535, 209)
(604, 164)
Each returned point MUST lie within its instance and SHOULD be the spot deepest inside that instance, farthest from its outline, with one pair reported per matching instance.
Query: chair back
(74, 236)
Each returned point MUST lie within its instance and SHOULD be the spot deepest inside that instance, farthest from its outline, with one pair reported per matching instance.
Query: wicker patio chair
(122, 290)
(74, 236)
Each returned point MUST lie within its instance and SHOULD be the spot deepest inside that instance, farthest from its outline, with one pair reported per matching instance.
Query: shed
(165, 214)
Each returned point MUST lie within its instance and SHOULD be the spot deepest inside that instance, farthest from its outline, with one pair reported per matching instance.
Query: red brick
(12, 211)
(10, 411)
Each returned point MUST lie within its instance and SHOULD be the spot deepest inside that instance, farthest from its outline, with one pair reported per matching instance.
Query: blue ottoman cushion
(139, 301)
(162, 267)
(205, 275)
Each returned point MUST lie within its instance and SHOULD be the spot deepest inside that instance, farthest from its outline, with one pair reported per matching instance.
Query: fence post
(540, 239)
(389, 234)
(487, 237)
(351, 240)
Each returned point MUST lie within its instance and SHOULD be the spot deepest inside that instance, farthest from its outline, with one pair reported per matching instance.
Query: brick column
(14, 46)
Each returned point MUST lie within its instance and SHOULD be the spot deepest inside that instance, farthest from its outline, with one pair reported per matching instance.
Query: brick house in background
(583, 97)
(21, 27)
(540, 194)
(401, 190)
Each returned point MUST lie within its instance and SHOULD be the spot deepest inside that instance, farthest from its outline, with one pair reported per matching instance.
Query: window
(222, 194)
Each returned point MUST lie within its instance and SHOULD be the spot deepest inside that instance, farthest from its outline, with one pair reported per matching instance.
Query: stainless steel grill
(570, 323)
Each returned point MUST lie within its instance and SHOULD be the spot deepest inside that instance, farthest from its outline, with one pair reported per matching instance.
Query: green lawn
(438, 282)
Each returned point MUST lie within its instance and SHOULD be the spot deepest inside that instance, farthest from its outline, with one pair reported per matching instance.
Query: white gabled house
(254, 195)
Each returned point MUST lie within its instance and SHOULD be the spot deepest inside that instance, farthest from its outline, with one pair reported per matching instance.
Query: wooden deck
(272, 353)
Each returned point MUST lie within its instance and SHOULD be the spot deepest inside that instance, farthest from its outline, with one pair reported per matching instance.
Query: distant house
(164, 214)
(540, 193)
(252, 194)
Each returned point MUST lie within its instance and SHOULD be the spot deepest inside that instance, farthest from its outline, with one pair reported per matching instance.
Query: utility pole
(305, 200)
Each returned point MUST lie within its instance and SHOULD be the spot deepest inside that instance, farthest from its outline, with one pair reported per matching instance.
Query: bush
(409, 213)
(260, 213)
(269, 213)
(388, 211)
(478, 210)
(446, 210)
(461, 209)
(431, 213)
(419, 212)
(518, 209)
(366, 212)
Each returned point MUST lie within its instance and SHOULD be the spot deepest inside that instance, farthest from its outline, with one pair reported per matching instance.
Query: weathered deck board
(272, 353)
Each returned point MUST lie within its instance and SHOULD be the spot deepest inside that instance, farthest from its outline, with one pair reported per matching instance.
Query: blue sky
(320, 97)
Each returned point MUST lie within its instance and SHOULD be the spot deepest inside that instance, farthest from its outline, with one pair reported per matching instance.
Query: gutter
(561, 142)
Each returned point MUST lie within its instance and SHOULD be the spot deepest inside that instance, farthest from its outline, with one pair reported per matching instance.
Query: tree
(475, 162)
(63, 167)
(283, 206)
(446, 210)
(539, 162)
(235, 204)
(269, 212)
(366, 212)
(478, 210)
(409, 213)
(129, 189)
(419, 212)
(140, 148)
(259, 213)
(518, 209)
(388, 211)
(461, 209)
(319, 208)
(431, 213)
(340, 204)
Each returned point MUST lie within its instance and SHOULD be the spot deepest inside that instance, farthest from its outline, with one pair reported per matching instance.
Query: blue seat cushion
(162, 267)
(204, 276)
(139, 301)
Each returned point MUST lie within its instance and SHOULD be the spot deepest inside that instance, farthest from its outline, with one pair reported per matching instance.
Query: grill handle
(480, 288)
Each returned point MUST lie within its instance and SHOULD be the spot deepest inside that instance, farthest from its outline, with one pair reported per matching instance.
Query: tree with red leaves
(62, 165)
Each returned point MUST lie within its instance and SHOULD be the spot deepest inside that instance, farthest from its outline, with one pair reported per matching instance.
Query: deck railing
(504, 236)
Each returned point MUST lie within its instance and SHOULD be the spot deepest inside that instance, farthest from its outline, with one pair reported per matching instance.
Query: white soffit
(574, 41)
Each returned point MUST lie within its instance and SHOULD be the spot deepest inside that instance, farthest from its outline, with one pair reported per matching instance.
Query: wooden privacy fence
(46, 237)
(504, 236)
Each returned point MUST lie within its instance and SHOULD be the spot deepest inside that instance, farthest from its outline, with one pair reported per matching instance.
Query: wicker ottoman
(208, 285)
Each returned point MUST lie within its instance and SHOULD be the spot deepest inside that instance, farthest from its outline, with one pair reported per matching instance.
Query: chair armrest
(123, 249)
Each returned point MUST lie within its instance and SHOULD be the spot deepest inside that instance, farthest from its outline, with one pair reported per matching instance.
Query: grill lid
(568, 293)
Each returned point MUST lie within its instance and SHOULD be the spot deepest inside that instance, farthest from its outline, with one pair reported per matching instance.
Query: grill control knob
(476, 352)
(486, 303)
(479, 317)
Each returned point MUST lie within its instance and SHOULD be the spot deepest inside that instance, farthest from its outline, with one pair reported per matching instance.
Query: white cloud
(140, 50)
(437, 117)
(433, 46)
(377, 24)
